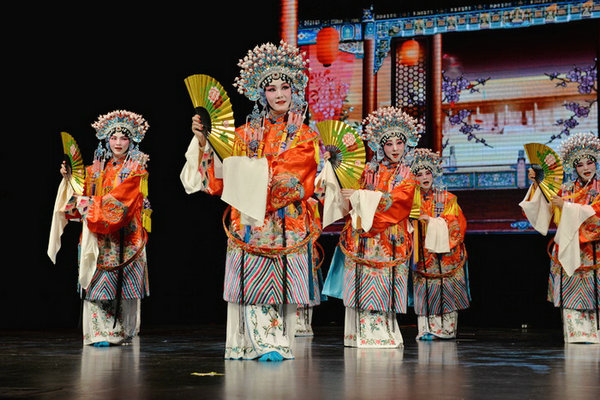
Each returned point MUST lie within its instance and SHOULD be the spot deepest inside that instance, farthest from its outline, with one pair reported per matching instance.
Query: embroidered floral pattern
(590, 229)
(238, 352)
(385, 203)
(266, 327)
(101, 318)
(206, 160)
(286, 189)
(112, 209)
(263, 332)
(580, 326)
(375, 329)
(110, 248)
(440, 326)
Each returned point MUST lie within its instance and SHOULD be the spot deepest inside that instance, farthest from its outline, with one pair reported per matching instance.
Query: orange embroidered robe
(116, 209)
(367, 286)
(581, 291)
(257, 279)
(440, 284)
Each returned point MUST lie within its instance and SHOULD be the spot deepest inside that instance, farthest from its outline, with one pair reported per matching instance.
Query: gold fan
(216, 113)
(74, 163)
(547, 166)
(347, 151)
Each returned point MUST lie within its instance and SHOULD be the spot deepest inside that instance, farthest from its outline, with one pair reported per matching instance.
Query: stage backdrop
(66, 68)
(501, 88)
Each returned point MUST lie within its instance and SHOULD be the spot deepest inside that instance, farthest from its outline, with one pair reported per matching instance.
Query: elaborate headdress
(577, 146)
(426, 159)
(387, 122)
(129, 123)
(267, 62)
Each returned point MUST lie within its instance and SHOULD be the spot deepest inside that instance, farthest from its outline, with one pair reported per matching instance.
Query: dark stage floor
(168, 363)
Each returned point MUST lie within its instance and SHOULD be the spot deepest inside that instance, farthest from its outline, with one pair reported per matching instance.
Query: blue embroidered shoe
(101, 344)
(271, 356)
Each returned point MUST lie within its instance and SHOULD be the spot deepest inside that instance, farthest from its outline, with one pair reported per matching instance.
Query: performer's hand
(347, 193)
(424, 217)
(197, 128)
(295, 119)
(63, 170)
(531, 176)
(557, 201)
(326, 155)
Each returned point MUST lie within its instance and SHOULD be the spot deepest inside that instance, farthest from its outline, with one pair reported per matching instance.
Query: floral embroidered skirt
(442, 326)
(255, 330)
(99, 322)
(580, 326)
(371, 329)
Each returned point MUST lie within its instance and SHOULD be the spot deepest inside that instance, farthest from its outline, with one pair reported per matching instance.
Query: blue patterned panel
(458, 180)
(496, 180)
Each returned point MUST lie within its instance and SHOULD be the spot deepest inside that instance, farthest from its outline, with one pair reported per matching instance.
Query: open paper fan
(347, 151)
(74, 162)
(212, 103)
(547, 166)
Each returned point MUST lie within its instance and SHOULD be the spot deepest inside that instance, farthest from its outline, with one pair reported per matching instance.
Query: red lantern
(410, 52)
(328, 41)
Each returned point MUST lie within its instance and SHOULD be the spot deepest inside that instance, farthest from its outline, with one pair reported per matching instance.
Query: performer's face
(393, 148)
(425, 178)
(586, 168)
(279, 96)
(119, 144)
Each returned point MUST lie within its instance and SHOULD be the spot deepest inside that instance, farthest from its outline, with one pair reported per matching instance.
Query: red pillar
(369, 99)
(436, 92)
(289, 21)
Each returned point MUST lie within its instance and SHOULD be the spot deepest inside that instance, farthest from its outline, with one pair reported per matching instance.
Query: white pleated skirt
(580, 326)
(437, 326)
(371, 329)
(255, 330)
(99, 323)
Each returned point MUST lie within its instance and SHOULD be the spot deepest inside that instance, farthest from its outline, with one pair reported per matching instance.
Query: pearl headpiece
(121, 121)
(425, 159)
(387, 122)
(578, 146)
(268, 62)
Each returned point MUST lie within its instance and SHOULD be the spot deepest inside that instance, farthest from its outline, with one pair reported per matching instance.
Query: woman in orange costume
(268, 270)
(440, 282)
(115, 213)
(574, 282)
(375, 244)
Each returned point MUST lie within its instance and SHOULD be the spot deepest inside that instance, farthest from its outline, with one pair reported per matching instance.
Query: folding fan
(74, 162)
(547, 166)
(347, 151)
(213, 105)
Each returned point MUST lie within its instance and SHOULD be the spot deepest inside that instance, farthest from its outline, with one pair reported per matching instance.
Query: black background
(64, 66)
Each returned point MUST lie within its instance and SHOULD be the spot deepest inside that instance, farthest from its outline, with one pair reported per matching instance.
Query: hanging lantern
(328, 41)
(410, 52)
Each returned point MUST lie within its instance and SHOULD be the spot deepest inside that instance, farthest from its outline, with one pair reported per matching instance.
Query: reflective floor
(187, 363)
